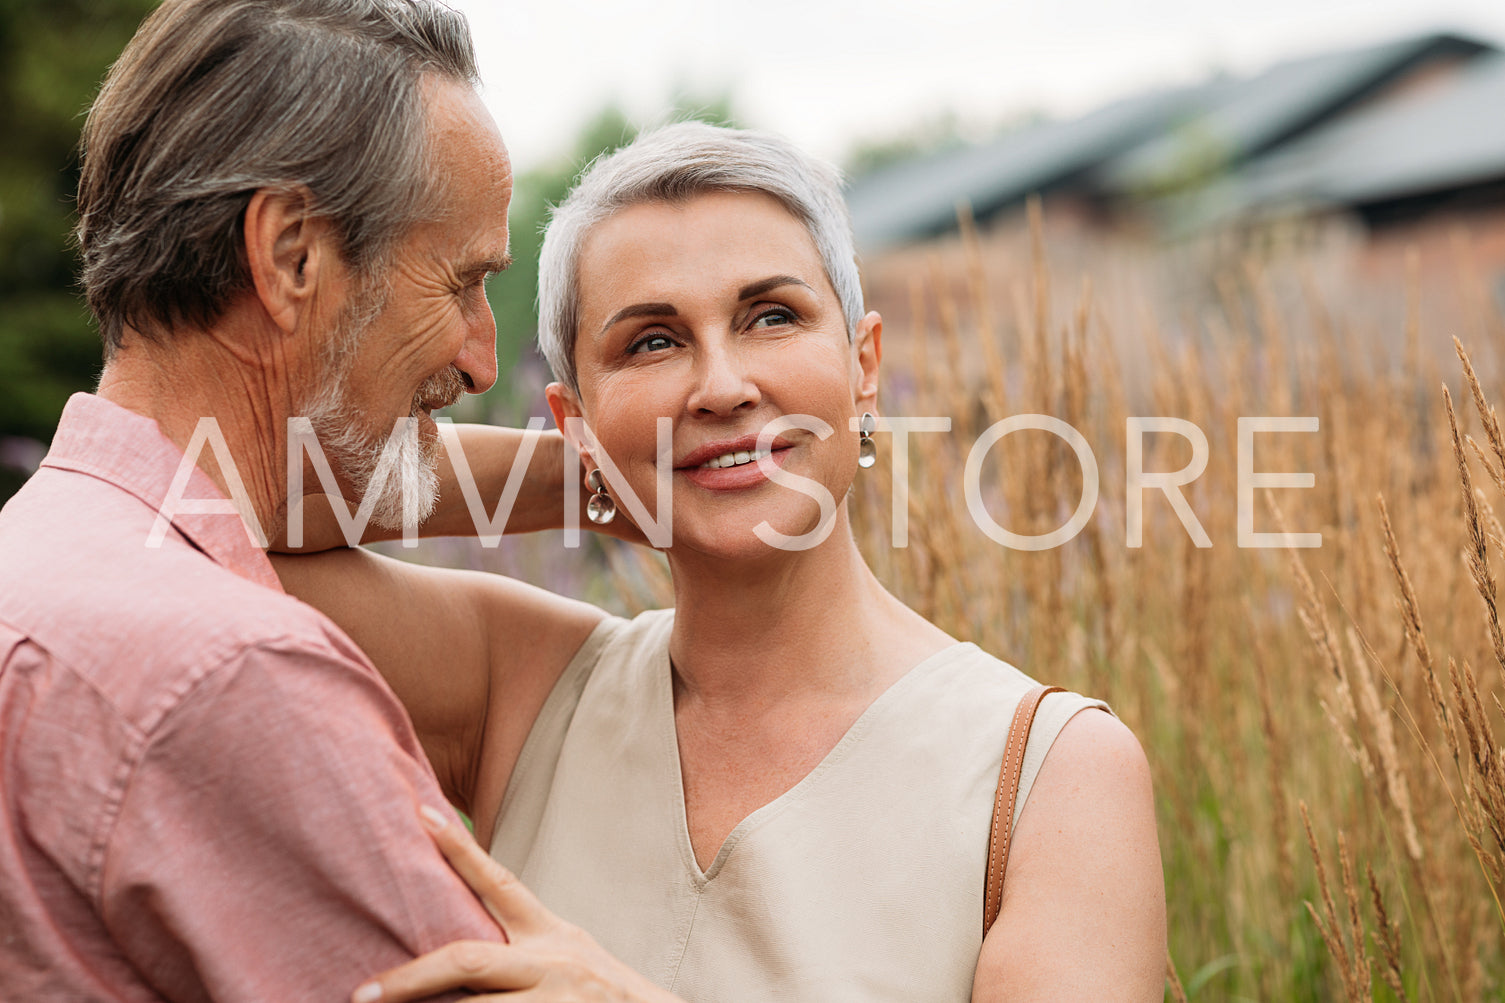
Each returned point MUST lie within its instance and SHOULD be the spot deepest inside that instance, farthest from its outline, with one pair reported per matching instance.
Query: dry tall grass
(1321, 723)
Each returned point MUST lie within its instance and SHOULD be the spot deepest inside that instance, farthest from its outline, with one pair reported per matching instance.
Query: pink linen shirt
(206, 790)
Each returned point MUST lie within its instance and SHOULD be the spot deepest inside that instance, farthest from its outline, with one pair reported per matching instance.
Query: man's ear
(867, 342)
(565, 404)
(289, 251)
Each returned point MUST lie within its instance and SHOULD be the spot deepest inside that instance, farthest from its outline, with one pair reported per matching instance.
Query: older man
(288, 208)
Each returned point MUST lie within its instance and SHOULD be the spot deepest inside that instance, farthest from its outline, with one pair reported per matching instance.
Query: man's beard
(401, 469)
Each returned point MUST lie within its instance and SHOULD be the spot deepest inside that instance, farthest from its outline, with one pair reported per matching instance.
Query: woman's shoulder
(1084, 868)
(621, 645)
(968, 669)
(979, 693)
(1099, 744)
(647, 629)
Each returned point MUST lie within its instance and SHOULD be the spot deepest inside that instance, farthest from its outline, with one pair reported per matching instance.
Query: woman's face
(717, 314)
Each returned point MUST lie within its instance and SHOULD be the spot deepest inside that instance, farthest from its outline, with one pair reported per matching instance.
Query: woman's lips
(737, 477)
(735, 458)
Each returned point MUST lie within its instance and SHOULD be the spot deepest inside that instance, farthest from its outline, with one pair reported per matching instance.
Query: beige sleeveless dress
(863, 882)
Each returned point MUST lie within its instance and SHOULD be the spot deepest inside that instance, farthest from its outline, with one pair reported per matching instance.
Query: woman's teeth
(735, 459)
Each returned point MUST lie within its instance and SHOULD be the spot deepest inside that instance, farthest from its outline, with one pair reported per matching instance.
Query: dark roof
(1233, 124)
(915, 199)
(1440, 138)
(1144, 143)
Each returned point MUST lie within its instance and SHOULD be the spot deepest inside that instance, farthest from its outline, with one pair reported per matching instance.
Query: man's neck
(185, 376)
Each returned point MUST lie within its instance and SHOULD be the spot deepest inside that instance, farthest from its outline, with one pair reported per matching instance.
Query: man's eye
(651, 343)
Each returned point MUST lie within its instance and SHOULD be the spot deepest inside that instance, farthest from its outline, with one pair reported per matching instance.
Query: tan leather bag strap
(1003, 803)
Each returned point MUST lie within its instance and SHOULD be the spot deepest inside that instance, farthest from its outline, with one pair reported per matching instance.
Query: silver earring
(600, 508)
(867, 450)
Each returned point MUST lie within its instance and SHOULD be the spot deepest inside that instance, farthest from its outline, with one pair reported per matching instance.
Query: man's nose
(477, 358)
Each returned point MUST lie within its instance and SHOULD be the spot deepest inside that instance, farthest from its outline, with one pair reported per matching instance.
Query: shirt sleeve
(267, 845)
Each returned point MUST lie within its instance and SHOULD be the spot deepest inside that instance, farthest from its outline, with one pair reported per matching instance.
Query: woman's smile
(732, 464)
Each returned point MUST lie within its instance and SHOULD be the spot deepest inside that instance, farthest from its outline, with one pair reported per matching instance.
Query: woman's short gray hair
(674, 164)
(213, 100)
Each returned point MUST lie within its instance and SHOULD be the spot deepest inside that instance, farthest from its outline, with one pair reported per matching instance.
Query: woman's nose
(722, 383)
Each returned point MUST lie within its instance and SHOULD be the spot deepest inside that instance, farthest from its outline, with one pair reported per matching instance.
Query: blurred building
(1401, 137)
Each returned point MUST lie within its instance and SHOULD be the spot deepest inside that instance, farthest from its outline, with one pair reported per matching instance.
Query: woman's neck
(813, 624)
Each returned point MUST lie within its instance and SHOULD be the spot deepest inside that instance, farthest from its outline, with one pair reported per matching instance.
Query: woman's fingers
(546, 958)
(464, 964)
(506, 898)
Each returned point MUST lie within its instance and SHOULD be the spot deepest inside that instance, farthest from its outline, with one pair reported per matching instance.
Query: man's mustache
(440, 390)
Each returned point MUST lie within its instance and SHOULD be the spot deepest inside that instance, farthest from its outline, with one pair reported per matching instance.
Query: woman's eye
(652, 343)
(773, 318)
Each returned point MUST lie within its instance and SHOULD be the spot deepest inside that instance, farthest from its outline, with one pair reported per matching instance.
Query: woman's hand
(545, 958)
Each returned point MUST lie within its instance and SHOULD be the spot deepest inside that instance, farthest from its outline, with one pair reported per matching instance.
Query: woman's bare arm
(471, 486)
(1083, 915)
(471, 655)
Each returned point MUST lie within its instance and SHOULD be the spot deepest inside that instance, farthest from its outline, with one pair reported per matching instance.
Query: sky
(832, 73)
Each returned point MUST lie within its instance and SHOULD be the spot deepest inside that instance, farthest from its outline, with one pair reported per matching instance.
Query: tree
(53, 54)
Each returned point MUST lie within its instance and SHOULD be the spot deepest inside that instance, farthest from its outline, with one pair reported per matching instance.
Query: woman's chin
(755, 538)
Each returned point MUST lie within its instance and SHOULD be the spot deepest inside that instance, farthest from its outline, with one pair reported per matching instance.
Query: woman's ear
(564, 404)
(289, 251)
(867, 343)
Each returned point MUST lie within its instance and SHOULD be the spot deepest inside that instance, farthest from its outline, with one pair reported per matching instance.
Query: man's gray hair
(672, 165)
(213, 100)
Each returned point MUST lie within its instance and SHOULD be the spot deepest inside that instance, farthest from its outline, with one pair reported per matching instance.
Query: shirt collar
(126, 449)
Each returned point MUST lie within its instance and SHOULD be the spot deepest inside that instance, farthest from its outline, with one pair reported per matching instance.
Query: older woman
(782, 788)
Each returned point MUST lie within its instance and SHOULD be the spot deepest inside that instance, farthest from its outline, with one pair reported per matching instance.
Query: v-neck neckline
(663, 709)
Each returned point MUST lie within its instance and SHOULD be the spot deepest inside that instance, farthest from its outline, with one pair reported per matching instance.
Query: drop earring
(601, 509)
(867, 450)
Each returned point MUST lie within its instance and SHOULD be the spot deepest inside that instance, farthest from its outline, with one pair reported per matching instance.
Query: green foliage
(1201, 156)
(942, 132)
(514, 295)
(938, 134)
(53, 54)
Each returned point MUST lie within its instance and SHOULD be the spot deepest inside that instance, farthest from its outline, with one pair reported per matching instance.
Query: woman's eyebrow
(638, 310)
(762, 286)
(667, 309)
